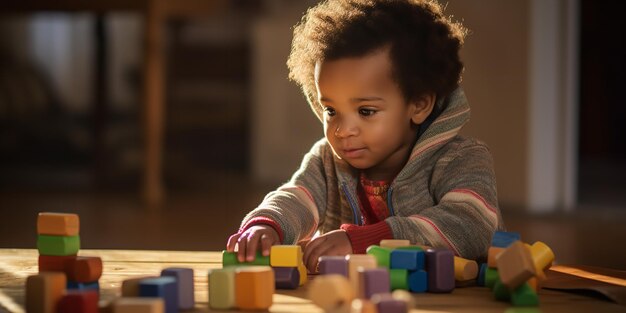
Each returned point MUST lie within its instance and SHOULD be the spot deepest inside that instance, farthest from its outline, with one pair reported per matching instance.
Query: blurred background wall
(542, 78)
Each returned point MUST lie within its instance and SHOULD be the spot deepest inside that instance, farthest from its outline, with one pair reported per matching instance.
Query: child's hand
(247, 242)
(335, 242)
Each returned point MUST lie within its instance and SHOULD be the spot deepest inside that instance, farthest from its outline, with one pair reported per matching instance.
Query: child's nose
(345, 130)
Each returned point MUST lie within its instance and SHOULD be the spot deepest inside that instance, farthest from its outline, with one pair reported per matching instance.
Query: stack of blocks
(515, 270)
(251, 285)
(66, 282)
(169, 293)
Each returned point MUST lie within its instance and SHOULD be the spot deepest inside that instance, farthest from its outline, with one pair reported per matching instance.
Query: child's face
(367, 120)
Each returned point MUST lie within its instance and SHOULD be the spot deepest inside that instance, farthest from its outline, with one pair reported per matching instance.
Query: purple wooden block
(286, 277)
(374, 280)
(184, 277)
(333, 265)
(440, 268)
(385, 303)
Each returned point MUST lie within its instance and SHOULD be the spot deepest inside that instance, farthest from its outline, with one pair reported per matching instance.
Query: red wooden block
(79, 302)
(54, 263)
(84, 269)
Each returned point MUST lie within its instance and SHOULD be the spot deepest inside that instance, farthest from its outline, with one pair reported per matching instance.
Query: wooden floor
(203, 220)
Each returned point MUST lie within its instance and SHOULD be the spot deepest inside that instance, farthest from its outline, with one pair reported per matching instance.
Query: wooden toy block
(54, 263)
(386, 303)
(465, 269)
(515, 265)
(354, 262)
(84, 269)
(57, 224)
(138, 305)
(79, 302)
(362, 306)
(373, 281)
(285, 255)
(503, 239)
(491, 276)
(501, 292)
(411, 260)
(415, 248)
(524, 295)
(43, 292)
(332, 292)
(382, 255)
(74, 285)
(394, 243)
(58, 245)
(440, 268)
(480, 280)
(418, 281)
(303, 274)
(222, 288)
(399, 279)
(184, 278)
(522, 310)
(230, 259)
(542, 255)
(286, 277)
(130, 287)
(492, 255)
(404, 296)
(332, 265)
(161, 287)
(254, 287)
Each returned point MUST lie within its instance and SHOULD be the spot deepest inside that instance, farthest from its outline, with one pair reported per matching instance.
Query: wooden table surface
(17, 264)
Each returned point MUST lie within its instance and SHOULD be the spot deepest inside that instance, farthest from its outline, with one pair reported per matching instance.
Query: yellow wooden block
(286, 256)
(130, 287)
(465, 269)
(138, 305)
(515, 265)
(303, 274)
(331, 292)
(492, 254)
(542, 255)
(222, 288)
(354, 262)
(394, 243)
(44, 290)
(254, 287)
(57, 224)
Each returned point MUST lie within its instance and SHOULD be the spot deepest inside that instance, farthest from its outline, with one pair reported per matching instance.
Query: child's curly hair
(424, 44)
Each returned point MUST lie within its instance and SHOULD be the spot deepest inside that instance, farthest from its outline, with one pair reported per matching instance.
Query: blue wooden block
(73, 285)
(418, 281)
(503, 239)
(165, 287)
(184, 277)
(480, 281)
(411, 260)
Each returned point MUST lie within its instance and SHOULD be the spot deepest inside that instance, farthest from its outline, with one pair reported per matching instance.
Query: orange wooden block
(84, 269)
(43, 291)
(254, 287)
(54, 263)
(515, 265)
(355, 261)
(57, 224)
(492, 254)
(332, 293)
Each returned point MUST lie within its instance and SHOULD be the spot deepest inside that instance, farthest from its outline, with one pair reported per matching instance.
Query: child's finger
(315, 255)
(232, 242)
(242, 244)
(311, 250)
(266, 244)
(252, 245)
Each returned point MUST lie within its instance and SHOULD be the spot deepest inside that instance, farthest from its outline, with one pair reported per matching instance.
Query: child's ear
(422, 107)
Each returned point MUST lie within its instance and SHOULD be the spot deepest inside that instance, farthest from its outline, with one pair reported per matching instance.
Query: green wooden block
(501, 292)
(382, 255)
(58, 245)
(230, 259)
(491, 276)
(524, 296)
(222, 288)
(399, 279)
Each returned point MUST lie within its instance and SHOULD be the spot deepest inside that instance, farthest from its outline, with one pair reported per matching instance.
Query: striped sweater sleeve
(465, 214)
(294, 209)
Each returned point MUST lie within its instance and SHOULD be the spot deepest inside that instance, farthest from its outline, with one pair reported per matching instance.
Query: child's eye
(329, 111)
(366, 112)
